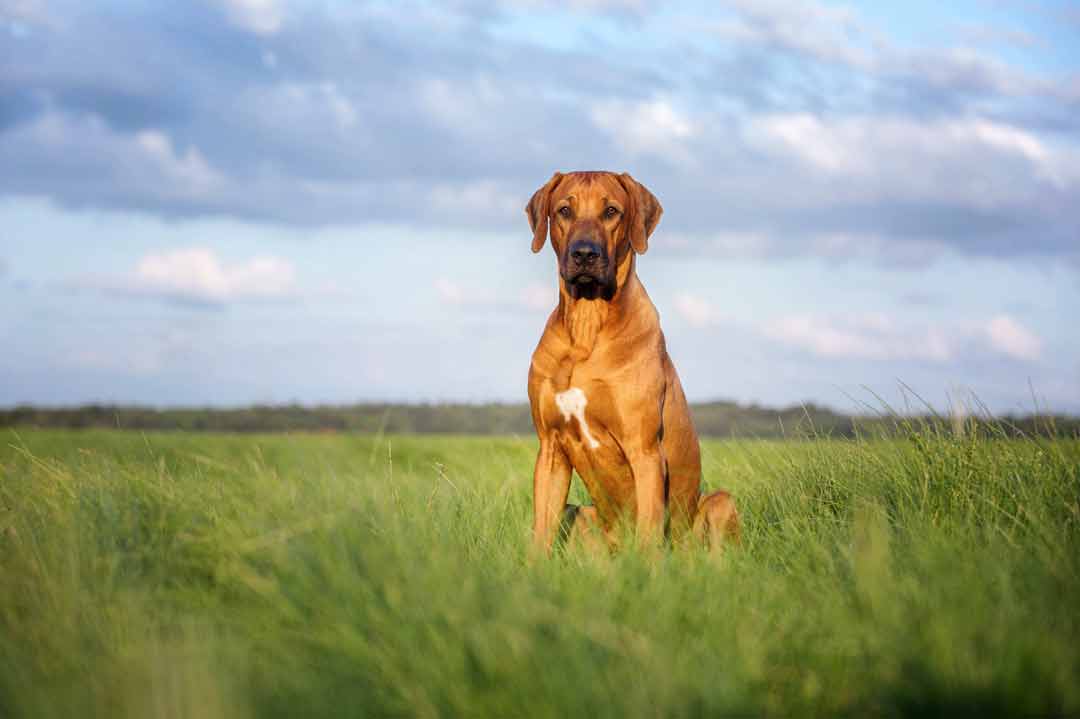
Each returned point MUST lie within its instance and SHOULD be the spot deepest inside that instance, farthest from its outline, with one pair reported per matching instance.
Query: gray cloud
(806, 128)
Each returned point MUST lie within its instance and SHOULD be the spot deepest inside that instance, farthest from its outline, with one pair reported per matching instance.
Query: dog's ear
(643, 212)
(537, 211)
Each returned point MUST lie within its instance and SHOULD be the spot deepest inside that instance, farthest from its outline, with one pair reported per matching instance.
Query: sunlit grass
(223, 576)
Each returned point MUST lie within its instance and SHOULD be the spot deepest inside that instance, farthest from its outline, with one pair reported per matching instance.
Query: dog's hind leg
(716, 520)
(581, 526)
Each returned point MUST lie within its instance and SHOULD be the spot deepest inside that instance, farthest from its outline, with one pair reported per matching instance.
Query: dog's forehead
(590, 186)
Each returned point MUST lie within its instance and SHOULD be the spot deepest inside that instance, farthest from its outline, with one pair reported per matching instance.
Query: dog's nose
(584, 253)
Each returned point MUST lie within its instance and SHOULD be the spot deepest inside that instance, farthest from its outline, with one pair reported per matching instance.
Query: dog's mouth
(587, 286)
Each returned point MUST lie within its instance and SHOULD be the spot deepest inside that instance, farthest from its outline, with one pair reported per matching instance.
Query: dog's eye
(565, 211)
(611, 211)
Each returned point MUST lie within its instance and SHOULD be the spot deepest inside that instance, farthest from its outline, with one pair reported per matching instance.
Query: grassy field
(174, 575)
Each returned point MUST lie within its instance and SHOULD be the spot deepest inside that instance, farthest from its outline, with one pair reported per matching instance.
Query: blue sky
(235, 201)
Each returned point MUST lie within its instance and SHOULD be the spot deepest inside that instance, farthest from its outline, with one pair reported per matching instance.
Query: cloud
(805, 137)
(321, 105)
(651, 127)
(875, 336)
(196, 275)
(906, 191)
(453, 293)
(462, 106)
(637, 6)
(808, 132)
(696, 310)
(134, 169)
(825, 32)
(531, 298)
(189, 169)
(262, 17)
(808, 33)
(868, 336)
(879, 337)
(903, 151)
(780, 244)
(992, 35)
(1009, 337)
(17, 13)
(479, 197)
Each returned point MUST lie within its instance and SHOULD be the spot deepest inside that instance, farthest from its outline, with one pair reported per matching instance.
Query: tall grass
(218, 576)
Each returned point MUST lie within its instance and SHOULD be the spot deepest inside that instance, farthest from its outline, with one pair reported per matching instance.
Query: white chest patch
(572, 404)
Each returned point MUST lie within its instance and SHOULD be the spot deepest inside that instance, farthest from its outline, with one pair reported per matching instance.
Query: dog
(605, 398)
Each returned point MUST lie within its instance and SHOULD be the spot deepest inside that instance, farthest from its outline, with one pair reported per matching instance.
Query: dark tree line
(713, 419)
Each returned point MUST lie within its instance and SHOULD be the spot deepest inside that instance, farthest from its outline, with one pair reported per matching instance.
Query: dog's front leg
(551, 486)
(650, 490)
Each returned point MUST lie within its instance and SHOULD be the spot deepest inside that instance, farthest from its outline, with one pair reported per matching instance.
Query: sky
(223, 202)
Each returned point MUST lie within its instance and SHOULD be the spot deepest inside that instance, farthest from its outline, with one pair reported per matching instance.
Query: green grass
(222, 576)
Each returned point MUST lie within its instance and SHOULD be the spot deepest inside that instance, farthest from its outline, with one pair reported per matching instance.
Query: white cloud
(855, 144)
(807, 138)
(197, 274)
(960, 69)
(261, 17)
(1009, 337)
(899, 156)
(343, 110)
(532, 298)
(317, 106)
(814, 31)
(866, 336)
(698, 311)
(651, 127)
(467, 105)
(871, 336)
(189, 168)
(825, 32)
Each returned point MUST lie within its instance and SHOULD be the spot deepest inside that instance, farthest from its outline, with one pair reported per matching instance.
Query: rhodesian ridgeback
(605, 398)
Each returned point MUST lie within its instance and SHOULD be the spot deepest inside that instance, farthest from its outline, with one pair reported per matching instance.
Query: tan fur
(583, 320)
(637, 452)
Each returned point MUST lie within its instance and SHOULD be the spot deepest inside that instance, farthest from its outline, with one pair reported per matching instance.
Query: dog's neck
(584, 319)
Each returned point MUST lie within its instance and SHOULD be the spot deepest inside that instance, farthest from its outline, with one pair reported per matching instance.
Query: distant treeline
(713, 419)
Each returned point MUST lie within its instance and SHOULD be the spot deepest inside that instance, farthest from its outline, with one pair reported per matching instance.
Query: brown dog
(606, 400)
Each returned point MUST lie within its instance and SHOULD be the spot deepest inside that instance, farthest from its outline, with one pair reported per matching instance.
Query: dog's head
(595, 220)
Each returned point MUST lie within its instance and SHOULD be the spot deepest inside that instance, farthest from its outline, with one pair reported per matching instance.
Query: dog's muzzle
(585, 270)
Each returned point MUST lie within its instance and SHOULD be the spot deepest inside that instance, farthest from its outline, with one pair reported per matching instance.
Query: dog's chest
(575, 410)
(571, 405)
